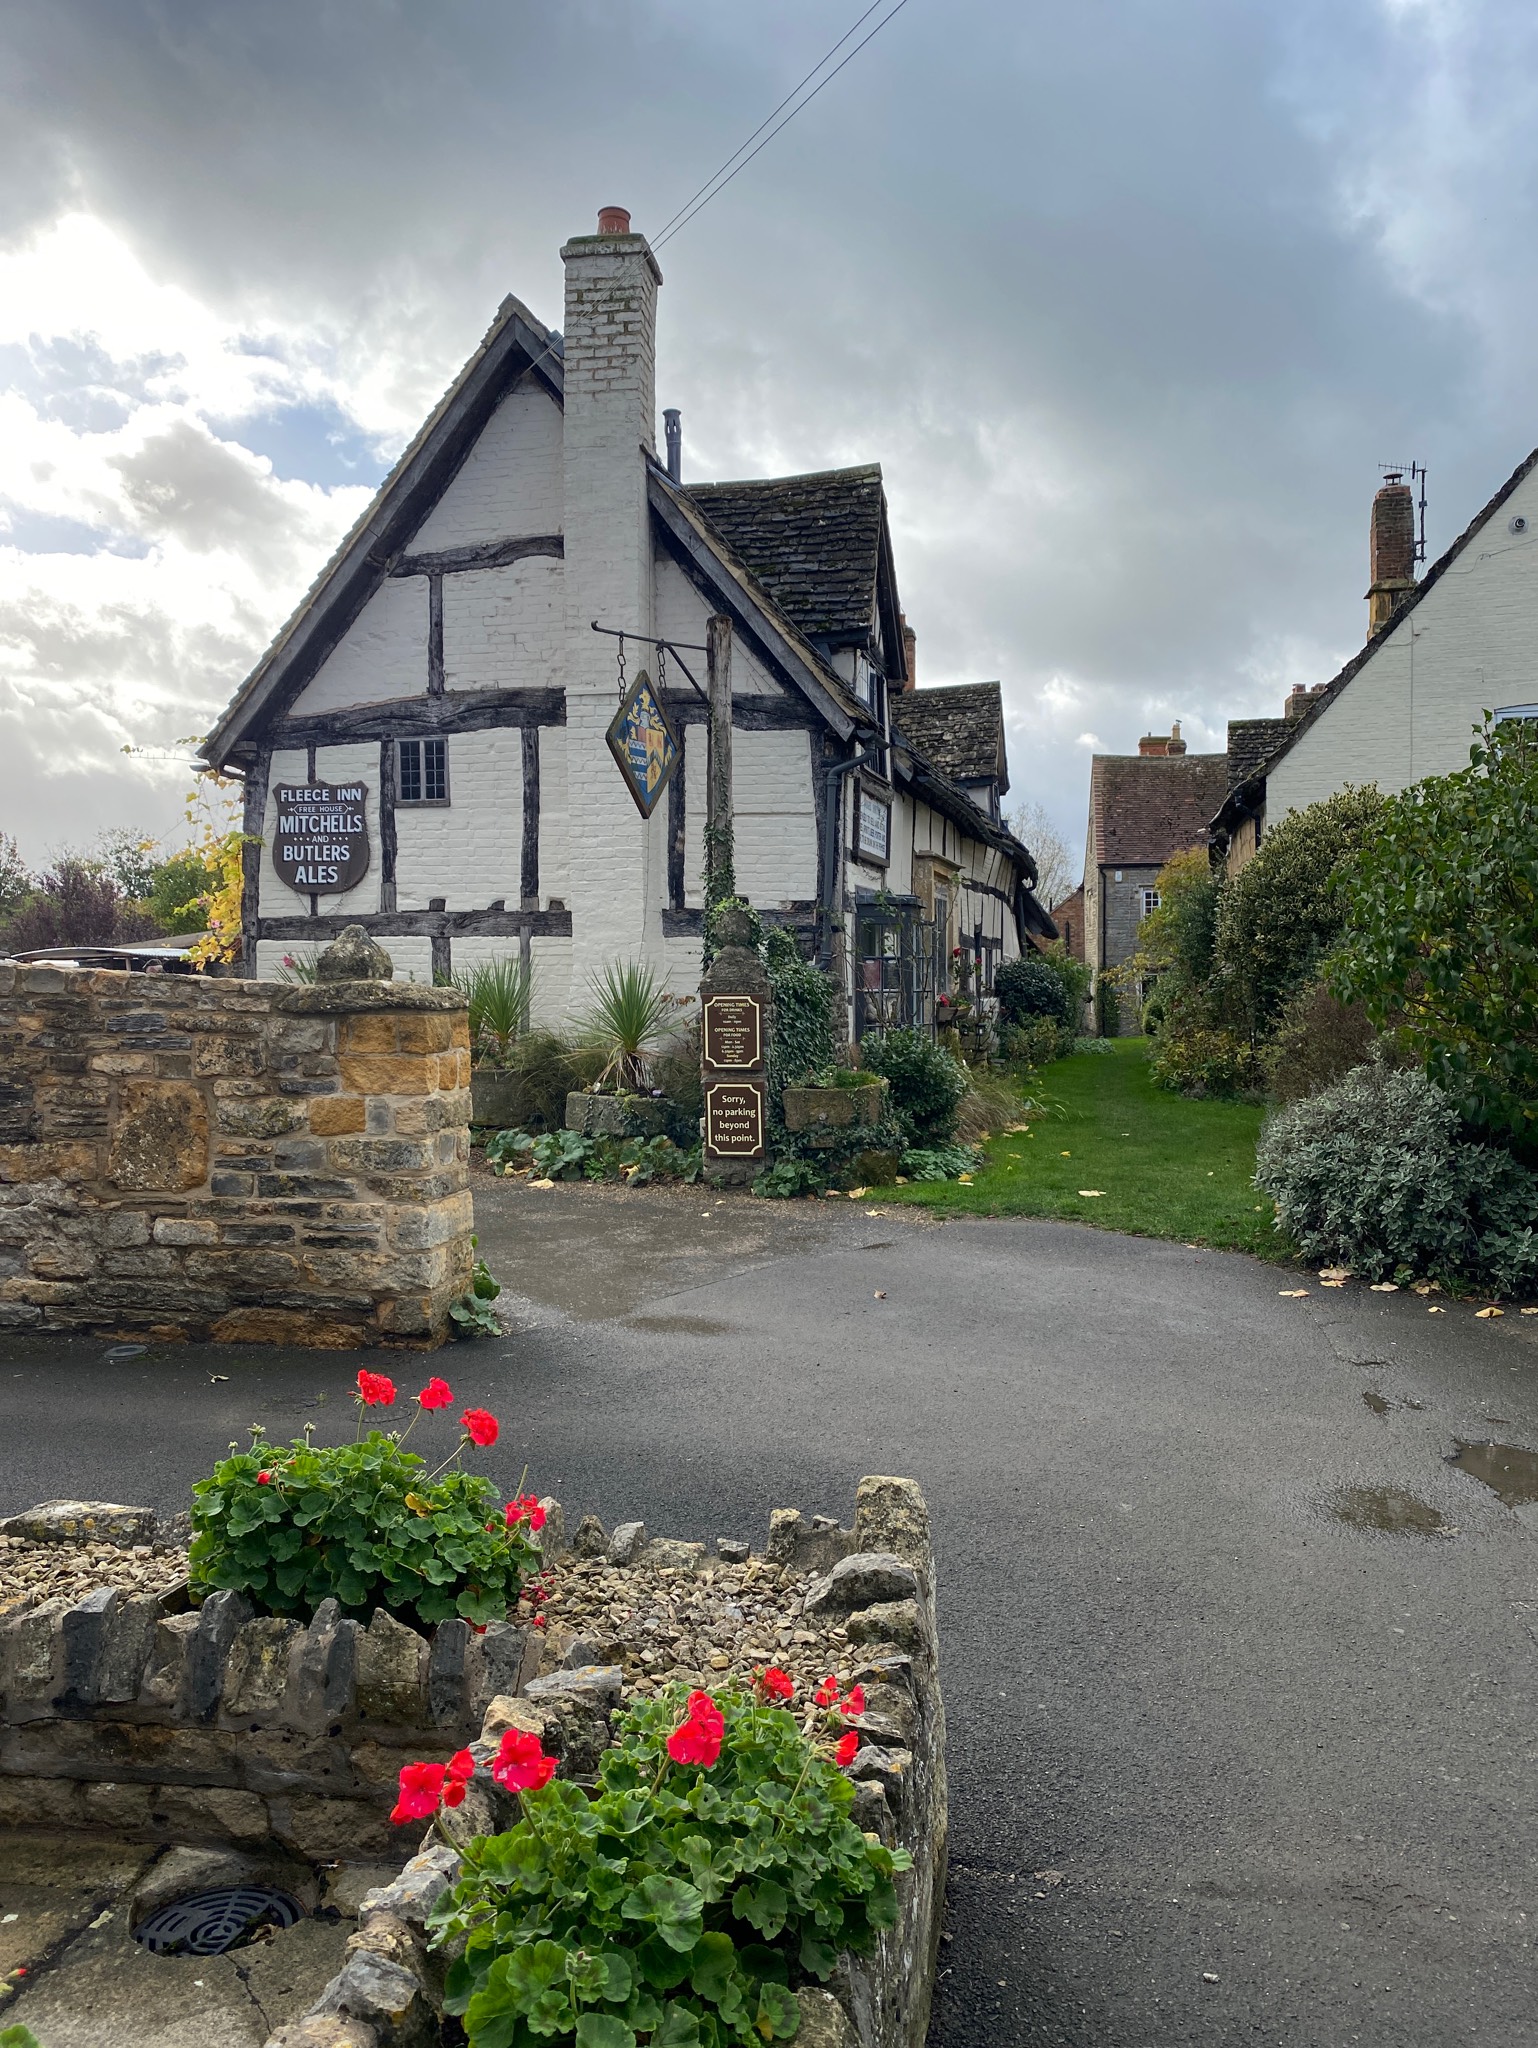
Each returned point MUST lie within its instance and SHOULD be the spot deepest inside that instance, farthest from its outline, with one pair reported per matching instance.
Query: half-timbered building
(425, 745)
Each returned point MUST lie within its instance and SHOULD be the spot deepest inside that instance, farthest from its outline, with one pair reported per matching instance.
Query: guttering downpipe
(832, 867)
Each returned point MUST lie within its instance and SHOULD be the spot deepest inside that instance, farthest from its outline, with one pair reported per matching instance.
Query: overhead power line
(720, 179)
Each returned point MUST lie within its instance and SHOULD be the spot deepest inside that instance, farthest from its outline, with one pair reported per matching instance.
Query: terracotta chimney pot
(613, 220)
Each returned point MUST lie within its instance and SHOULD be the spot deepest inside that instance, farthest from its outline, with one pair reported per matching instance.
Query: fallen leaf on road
(215, 1377)
(1528, 1311)
(1385, 1287)
(1484, 1314)
(1424, 1287)
(1332, 1283)
(1091, 1194)
(1209, 1976)
(541, 1183)
(1293, 1293)
(1435, 1311)
(880, 1294)
(1335, 1272)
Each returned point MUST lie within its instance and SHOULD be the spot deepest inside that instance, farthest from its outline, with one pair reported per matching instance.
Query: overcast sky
(1130, 299)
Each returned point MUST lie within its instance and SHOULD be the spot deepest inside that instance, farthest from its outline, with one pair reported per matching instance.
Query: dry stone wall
(184, 1157)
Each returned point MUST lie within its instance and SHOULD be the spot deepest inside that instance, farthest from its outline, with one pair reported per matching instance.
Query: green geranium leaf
(777, 2011)
(680, 2029)
(762, 1905)
(671, 1906)
(602, 2030)
(662, 1966)
(817, 1957)
(711, 1966)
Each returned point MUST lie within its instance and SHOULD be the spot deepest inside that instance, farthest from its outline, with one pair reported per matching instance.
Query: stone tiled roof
(958, 728)
(813, 542)
(1144, 807)
(1251, 743)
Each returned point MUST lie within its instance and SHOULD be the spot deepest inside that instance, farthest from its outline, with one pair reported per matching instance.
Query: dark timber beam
(749, 714)
(528, 865)
(252, 824)
(423, 924)
(424, 717)
(486, 554)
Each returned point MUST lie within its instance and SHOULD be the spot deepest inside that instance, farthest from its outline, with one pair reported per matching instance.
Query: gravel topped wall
(129, 1710)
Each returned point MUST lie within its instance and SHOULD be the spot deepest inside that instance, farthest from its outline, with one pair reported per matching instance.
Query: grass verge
(1164, 1166)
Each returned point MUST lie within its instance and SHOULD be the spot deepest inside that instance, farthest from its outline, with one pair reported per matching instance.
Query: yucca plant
(498, 992)
(627, 1021)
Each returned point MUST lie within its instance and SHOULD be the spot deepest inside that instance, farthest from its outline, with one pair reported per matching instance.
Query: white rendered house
(442, 684)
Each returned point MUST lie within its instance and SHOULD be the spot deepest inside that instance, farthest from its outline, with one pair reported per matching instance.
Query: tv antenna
(1393, 473)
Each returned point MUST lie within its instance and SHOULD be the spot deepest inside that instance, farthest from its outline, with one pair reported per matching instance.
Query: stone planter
(614, 1116)
(499, 1099)
(834, 1109)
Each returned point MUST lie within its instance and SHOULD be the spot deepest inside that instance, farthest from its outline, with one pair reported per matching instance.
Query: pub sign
(321, 838)
(642, 740)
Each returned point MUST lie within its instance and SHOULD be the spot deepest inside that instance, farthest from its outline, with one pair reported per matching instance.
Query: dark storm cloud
(1130, 300)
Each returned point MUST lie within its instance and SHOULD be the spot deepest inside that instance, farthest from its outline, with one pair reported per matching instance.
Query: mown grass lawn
(1165, 1167)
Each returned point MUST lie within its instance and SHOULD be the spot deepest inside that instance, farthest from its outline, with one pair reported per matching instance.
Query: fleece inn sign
(321, 842)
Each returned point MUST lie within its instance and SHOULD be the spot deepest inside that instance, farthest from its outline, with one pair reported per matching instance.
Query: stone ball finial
(354, 956)
(734, 928)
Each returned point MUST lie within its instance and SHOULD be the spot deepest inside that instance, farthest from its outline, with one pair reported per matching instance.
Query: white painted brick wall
(552, 981)
(510, 484)
(502, 628)
(616, 866)
(554, 837)
(775, 823)
(382, 655)
(470, 850)
(681, 615)
(1471, 644)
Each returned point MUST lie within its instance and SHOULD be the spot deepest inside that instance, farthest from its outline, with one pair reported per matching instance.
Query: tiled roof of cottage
(958, 728)
(813, 542)
(1144, 807)
(1251, 743)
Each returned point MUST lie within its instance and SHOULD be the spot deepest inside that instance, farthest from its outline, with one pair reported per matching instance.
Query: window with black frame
(896, 967)
(421, 772)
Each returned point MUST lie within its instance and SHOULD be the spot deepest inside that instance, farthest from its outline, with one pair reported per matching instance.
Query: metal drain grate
(208, 1923)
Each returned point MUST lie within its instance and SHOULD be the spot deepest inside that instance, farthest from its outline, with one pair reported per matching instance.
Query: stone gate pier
(184, 1157)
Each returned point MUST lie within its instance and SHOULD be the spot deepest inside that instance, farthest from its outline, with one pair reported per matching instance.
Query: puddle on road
(682, 1326)
(1388, 1509)
(1381, 1405)
(1510, 1473)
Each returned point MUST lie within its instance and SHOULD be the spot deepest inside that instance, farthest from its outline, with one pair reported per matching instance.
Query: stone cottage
(1440, 653)
(424, 747)
(1143, 807)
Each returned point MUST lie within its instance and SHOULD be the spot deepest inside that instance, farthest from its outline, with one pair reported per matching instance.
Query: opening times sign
(321, 839)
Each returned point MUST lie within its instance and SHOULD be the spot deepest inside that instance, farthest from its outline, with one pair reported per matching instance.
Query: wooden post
(720, 868)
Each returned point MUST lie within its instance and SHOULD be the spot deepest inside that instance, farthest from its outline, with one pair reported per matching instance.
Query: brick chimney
(1154, 743)
(616, 861)
(910, 657)
(1299, 698)
(1391, 551)
(1176, 744)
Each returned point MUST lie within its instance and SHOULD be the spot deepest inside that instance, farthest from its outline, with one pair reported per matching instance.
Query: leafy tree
(15, 879)
(129, 856)
(1282, 913)
(1176, 941)
(176, 897)
(76, 903)
(1441, 934)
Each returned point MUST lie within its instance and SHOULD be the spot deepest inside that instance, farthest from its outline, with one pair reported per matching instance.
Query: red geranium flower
(375, 1390)
(774, 1683)
(520, 1764)
(460, 1770)
(421, 1789)
(264, 1479)
(481, 1426)
(826, 1694)
(848, 1749)
(526, 1508)
(854, 1700)
(698, 1739)
(436, 1394)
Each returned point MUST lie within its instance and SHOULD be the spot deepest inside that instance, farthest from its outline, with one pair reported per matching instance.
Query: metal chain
(622, 668)
(662, 668)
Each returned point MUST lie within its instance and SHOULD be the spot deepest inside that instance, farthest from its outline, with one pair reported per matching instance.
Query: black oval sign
(320, 840)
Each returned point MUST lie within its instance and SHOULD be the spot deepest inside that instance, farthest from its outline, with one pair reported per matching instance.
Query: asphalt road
(1279, 1766)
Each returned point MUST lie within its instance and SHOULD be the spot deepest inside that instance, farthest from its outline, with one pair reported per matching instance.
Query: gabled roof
(514, 345)
(1241, 798)
(1144, 807)
(1251, 743)
(813, 542)
(959, 727)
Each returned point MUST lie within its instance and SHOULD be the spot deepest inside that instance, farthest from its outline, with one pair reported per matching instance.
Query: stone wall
(244, 1161)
